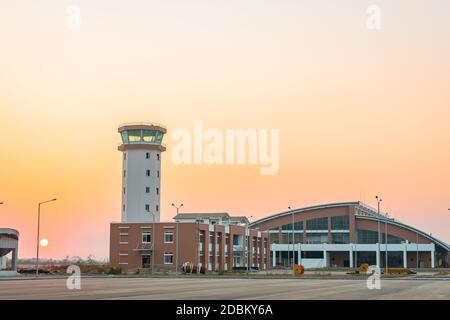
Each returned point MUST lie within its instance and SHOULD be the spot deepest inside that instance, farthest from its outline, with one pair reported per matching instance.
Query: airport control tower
(141, 175)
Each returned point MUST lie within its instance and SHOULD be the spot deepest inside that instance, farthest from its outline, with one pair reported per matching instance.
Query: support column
(432, 259)
(378, 255)
(274, 257)
(299, 252)
(351, 255)
(325, 258)
(405, 257)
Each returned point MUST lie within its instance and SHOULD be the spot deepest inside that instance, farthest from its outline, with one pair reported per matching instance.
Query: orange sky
(360, 112)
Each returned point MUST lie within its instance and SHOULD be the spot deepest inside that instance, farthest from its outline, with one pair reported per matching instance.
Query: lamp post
(153, 236)
(176, 242)
(38, 227)
(293, 241)
(379, 200)
(247, 243)
(385, 244)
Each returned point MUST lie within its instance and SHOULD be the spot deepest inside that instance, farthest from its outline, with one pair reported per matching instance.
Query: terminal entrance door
(146, 261)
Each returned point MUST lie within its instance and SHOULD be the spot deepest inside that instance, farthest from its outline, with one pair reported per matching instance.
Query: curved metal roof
(306, 209)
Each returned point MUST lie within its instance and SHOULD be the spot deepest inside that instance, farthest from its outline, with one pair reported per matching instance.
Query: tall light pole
(247, 240)
(153, 238)
(385, 244)
(38, 227)
(293, 248)
(176, 242)
(379, 200)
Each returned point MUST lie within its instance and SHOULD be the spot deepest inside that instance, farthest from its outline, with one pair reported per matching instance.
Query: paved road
(176, 288)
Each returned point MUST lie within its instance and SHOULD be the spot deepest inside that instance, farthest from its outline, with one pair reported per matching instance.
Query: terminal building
(9, 244)
(332, 235)
(347, 235)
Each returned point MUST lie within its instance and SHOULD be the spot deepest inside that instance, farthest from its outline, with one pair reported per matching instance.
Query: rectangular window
(147, 189)
(157, 208)
(123, 190)
(146, 237)
(339, 223)
(168, 237)
(168, 258)
(297, 226)
(339, 238)
(157, 156)
(316, 238)
(147, 207)
(148, 173)
(157, 174)
(157, 190)
(147, 155)
(317, 224)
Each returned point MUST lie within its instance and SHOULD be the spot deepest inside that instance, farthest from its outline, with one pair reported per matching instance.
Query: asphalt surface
(260, 289)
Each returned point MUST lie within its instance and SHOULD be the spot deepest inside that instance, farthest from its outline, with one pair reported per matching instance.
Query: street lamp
(293, 248)
(385, 244)
(379, 200)
(247, 243)
(37, 244)
(176, 243)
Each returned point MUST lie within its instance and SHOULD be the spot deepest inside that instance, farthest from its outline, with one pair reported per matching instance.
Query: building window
(168, 258)
(317, 224)
(316, 238)
(157, 208)
(157, 174)
(168, 237)
(367, 236)
(339, 223)
(123, 190)
(123, 207)
(147, 189)
(147, 155)
(157, 190)
(157, 156)
(148, 173)
(124, 173)
(340, 238)
(297, 226)
(147, 207)
(146, 237)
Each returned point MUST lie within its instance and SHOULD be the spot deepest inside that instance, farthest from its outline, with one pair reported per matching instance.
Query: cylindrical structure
(141, 171)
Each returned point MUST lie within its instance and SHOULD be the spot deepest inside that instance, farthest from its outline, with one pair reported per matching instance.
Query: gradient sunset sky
(360, 112)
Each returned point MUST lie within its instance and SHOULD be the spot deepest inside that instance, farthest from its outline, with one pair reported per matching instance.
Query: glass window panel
(134, 136)
(159, 137)
(339, 223)
(149, 136)
(315, 238)
(317, 224)
(339, 238)
(124, 136)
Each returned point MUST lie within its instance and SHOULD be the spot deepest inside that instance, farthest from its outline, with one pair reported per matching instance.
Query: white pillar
(299, 252)
(274, 256)
(405, 257)
(325, 258)
(378, 255)
(351, 255)
(432, 259)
